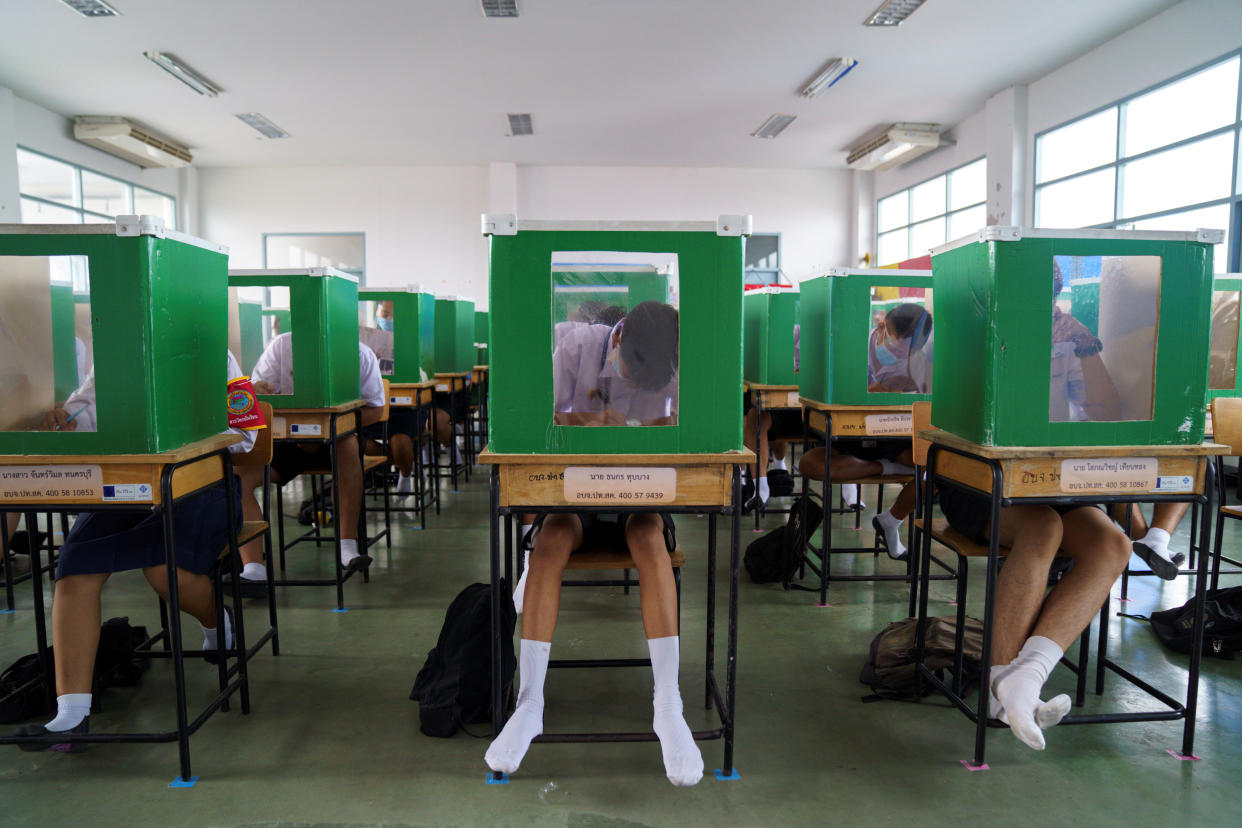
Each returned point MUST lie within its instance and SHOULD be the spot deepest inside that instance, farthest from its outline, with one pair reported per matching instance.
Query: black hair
(1058, 281)
(649, 344)
(910, 321)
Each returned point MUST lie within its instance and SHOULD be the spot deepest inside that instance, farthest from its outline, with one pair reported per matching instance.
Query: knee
(644, 535)
(348, 443)
(1044, 524)
(811, 466)
(157, 577)
(555, 539)
(77, 587)
(1116, 548)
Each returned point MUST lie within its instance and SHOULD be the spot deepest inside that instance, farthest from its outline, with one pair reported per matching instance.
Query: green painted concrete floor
(332, 738)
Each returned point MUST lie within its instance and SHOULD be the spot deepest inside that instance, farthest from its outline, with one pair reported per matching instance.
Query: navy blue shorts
(606, 529)
(457, 404)
(401, 420)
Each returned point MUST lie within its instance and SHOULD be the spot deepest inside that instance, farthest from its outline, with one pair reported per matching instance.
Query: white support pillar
(862, 219)
(1009, 163)
(10, 203)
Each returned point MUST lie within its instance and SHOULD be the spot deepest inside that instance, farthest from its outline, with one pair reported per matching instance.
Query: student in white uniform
(101, 543)
(618, 375)
(273, 374)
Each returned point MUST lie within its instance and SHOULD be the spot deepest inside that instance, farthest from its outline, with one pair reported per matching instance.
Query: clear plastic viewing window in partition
(272, 373)
(616, 335)
(46, 351)
(1105, 320)
(900, 340)
(375, 330)
(1223, 353)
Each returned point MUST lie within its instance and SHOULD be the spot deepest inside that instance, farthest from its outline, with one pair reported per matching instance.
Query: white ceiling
(609, 82)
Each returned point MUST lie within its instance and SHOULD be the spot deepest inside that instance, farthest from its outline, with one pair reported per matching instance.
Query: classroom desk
(769, 398)
(1025, 475)
(451, 383)
(689, 484)
(479, 379)
(144, 483)
(418, 396)
(319, 425)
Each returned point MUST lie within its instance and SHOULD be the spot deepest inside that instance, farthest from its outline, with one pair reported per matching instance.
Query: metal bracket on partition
(734, 225)
(1209, 236)
(140, 226)
(499, 224)
(1000, 233)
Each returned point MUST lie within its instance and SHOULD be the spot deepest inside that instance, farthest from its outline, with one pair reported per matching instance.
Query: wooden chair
(1227, 426)
(378, 467)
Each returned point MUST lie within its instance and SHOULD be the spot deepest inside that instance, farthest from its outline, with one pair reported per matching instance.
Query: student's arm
(1099, 398)
(266, 374)
(78, 413)
(371, 386)
(564, 377)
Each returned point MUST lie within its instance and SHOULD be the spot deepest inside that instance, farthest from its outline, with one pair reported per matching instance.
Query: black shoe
(17, 565)
(19, 543)
(358, 564)
(80, 729)
(883, 540)
(248, 587)
(1162, 567)
(780, 483)
(748, 492)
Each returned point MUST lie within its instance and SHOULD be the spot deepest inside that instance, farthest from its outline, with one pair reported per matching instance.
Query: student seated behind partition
(899, 360)
(273, 374)
(101, 543)
(603, 376)
(404, 425)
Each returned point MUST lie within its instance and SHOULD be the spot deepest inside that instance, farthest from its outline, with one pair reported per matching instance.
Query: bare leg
(76, 618)
(748, 440)
(402, 453)
(349, 469)
(195, 593)
(644, 534)
(844, 467)
(1033, 535)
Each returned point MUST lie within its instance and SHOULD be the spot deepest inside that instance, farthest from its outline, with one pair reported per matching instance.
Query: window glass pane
(964, 222)
(899, 341)
(91, 218)
(894, 211)
(36, 212)
(1078, 202)
(1212, 218)
(925, 236)
(928, 199)
(1104, 320)
(893, 247)
(104, 195)
(625, 317)
(344, 251)
(45, 345)
(1197, 172)
(46, 178)
(1223, 356)
(1190, 106)
(147, 203)
(1084, 144)
(968, 185)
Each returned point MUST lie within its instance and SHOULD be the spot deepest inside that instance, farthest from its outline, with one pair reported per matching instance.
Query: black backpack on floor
(775, 557)
(454, 688)
(1222, 624)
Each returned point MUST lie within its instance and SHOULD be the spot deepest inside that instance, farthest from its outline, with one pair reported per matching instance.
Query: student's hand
(1066, 328)
(57, 420)
(262, 387)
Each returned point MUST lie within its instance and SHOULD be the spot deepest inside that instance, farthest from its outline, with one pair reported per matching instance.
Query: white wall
(809, 208)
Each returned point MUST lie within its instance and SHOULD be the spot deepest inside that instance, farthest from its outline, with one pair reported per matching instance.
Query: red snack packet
(244, 411)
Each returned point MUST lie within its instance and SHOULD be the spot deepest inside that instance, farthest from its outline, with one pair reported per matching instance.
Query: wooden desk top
(419, 385)
(747, 385)
(945, 438)
(745, 456)
(342, 408)
(458, 375)
(481, 368)
(186, 452)
(816, 405)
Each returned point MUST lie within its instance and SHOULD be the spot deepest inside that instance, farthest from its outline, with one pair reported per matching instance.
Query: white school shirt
(81, 406)
(584, 362)
(275, 367)
(1066, 388)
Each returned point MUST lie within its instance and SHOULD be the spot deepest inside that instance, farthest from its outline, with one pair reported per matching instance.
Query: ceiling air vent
(895, 145)
(91, 8)
(893, 12)
(127, 140)
(499, 8)
(773, 126)
(256, 121)
(519, 124)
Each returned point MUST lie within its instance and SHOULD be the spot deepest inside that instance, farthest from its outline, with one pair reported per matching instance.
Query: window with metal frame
(1165, 158)
(59, 192)
(912, 221)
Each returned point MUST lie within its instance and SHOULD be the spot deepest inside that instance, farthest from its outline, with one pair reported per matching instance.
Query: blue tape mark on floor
(7, 612)
(733, 777)
(491, 779)
(340, 609)
(182, 783)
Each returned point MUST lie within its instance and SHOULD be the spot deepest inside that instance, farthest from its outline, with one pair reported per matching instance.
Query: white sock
(1158, 541)
(1016, 688)
(519, 590)
(509, 748)
(405, 485)
(426, 456)
(765, 491)
(349, 550)
(892, 534)
(71, 709)
(210, 635)
(254, 572)
(778, 463)
(683, 762)
(849, 493)
(893, 467)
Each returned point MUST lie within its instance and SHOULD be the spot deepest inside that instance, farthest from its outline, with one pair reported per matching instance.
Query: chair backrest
(387, 402)
(1227, 423)
(921, 421)
(261, 453)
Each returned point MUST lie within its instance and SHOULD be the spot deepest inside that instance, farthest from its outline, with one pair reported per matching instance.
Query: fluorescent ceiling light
(520, 124)
(499, 8)
(833, 71)
(183, 73)
(893, 12)
(263, 125)
(91, 8)
(896, 145)
(773, 126)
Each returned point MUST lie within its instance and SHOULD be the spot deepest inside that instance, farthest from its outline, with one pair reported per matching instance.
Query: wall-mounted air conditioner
(127, 140)
(897, 144)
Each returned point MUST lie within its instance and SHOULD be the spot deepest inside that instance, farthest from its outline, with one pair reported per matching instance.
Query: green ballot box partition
(769, 317)
(406, 350)
(1226, 346)
(664, 378)
(1073, 337)
(245, 330)
(323, 318)
(454, 347)
(143, 306)
(867, 337)
(482, 337)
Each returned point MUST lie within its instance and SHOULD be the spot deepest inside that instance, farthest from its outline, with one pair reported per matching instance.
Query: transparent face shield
(900, 340)
(376, 329)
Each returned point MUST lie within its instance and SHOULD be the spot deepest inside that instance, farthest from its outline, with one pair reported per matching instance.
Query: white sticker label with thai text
(306, 430)
(620, 485)
(442, 387)
(50, 483)
(1109, 474)
(127, 491)
(1175, 483)
(791, 399)
(400, 400)
(880, 424)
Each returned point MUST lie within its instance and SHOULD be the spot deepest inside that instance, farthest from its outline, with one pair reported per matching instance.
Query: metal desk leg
(989, 615)
(494, 547)
(336, 511)
(735, 562)
(825, 489)
(36, 578)
(1196, 652)
(710, 661)
(758, 441)
(174, 621)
